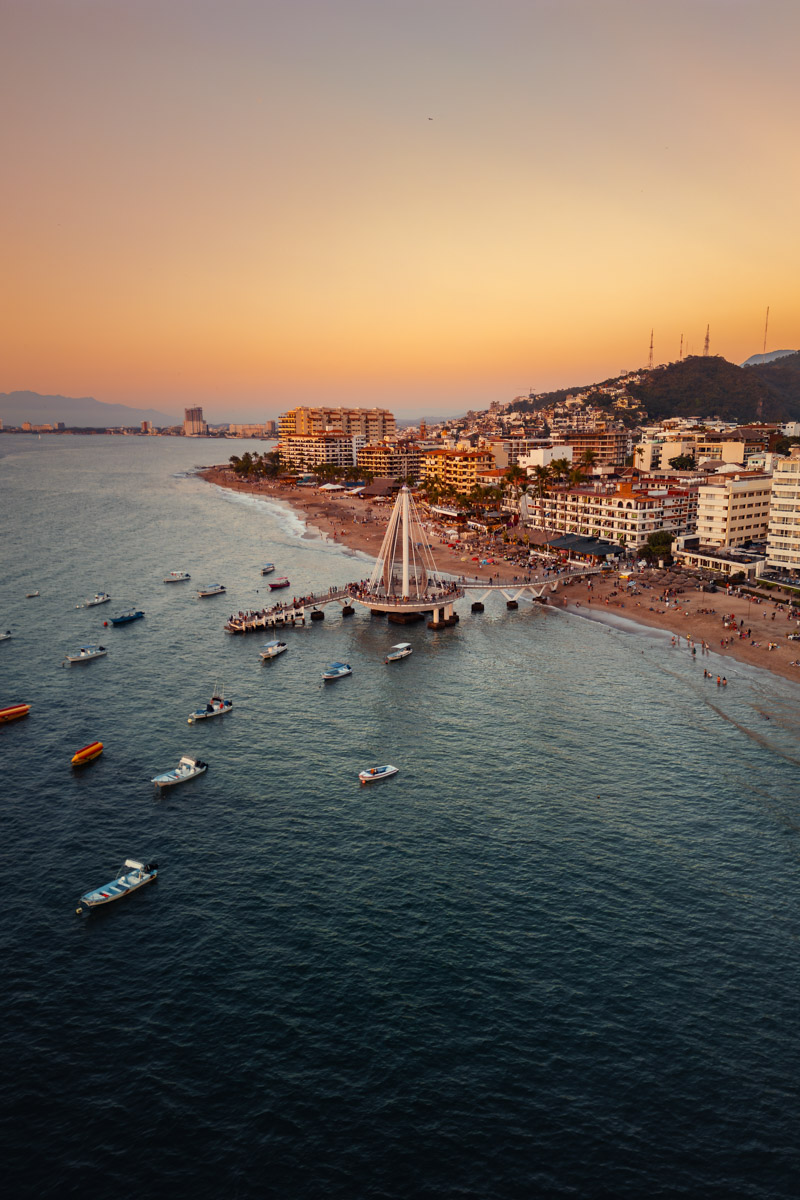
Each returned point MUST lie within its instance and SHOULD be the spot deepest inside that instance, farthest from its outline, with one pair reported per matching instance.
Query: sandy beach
(735, 626)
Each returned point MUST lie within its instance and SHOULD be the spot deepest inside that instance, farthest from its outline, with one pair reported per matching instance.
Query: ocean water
(557, 955)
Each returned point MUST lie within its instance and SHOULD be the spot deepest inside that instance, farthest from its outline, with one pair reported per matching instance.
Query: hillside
(82, 412)
(713, 387)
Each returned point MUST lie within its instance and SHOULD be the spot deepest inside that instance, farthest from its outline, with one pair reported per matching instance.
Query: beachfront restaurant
(590, 550)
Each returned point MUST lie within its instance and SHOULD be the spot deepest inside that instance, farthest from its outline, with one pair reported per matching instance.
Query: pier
(404, 586)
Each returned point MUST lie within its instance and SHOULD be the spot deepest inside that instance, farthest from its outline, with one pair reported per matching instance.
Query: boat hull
(202, 715)
(13, 712)
(173, 778)
(87, 754)
(279, 583)
(127, 618)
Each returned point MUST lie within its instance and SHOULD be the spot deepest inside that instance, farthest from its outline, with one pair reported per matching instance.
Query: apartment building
(457, 467)
(307, 452)
(372, 424)
(401, 460)
(262, 429)
(734, 509)
(193, 423)
(608, 445)
(783, 536)
(620, 512)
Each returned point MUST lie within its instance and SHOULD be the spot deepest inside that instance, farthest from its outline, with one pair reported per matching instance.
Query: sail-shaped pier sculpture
(405, 583)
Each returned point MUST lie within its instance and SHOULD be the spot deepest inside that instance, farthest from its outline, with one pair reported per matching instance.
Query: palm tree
(560, 469)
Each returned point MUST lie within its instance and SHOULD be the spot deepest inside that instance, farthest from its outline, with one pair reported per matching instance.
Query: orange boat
(93, 750)
(13, 711)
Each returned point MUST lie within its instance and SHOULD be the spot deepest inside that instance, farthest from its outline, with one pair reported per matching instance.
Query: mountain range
(76, 412)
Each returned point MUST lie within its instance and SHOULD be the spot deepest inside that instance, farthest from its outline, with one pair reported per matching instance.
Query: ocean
(556, 955)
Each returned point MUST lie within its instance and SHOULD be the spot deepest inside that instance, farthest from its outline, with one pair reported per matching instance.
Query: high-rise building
(373, 424)
(783, 538)
(193, 423)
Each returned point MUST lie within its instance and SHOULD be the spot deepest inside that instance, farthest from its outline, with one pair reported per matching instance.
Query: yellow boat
(93, 750)
(13, 711)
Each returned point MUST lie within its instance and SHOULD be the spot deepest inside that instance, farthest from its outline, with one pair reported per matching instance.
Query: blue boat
(132, 876)
(125, 618)
(336, 671)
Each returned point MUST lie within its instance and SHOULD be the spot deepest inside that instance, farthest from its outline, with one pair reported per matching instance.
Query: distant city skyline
(424, 205)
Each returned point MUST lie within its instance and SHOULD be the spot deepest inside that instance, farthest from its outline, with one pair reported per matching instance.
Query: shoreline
(692, 617)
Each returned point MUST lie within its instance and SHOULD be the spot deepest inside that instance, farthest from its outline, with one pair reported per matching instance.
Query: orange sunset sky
(246, 204)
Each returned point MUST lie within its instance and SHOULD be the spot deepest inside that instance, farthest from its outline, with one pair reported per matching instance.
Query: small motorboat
(336, 671)
(87, 754)
(85, 654)
(132, 876)
(375, 773)
(99, 598)
(187, 768)
(31, 595)
(272, 649)
(280, 583)
(12, 712)
(126, 618)
(216, 707)
(213, 589)
(5, 636)
(177, 577)
(401, 650)
(267, 568)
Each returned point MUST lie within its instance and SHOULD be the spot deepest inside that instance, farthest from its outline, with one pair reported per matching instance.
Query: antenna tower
(680, 352)
(650, 360)
(706, 343)
(766, 326)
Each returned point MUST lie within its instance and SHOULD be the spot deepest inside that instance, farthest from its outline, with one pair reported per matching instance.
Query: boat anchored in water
(31, 595)
(99, 598)
(280, 583)
(85, 654)
(401, 650)
(336, 671)
(12, 712)
(132, 876)
(177, 577)
(216, 707)
(187, 768)
(267, 568)
(271, 650)
(87, 754)
(375, 773)
(213, 589)
(126, 618)
(5, 636)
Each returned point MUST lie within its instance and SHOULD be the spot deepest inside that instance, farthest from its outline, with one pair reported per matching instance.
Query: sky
(424, 205)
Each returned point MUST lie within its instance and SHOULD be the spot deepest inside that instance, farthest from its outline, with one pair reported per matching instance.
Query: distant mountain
(83, 412)
(757, 360)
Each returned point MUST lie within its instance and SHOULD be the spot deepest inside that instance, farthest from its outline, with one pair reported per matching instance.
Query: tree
(683, 462)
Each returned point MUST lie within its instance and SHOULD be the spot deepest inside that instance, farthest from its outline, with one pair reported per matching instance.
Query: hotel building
(734, 509)
(307, 452)
(615, 512)
(371, 424)
(460, 468)
(193, 423)
(401, 460)
(783, 537)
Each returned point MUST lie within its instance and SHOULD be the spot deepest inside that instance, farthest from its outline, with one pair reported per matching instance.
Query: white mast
(405, 541)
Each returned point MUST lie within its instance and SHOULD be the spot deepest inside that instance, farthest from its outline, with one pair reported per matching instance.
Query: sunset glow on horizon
(419, 204)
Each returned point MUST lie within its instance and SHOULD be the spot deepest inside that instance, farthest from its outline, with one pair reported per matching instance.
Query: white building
(542, 456)
(313, 450)
(783, 538)
(734, 509)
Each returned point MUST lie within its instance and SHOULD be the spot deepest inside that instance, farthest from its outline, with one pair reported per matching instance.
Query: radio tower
(680, 352)
(705, 344)
(766, 326)
(650, 360)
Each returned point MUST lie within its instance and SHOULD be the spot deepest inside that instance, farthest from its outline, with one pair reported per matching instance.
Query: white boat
(216, 707)
(375, 773)
(132, 876)
(267, 568)
(336, 671)
(401, 650)
(5, 636)
(100, 598)
(85, 654)
(31, 595)
(187, 768)
(272, 650)
(177, 577)
(213, 589)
